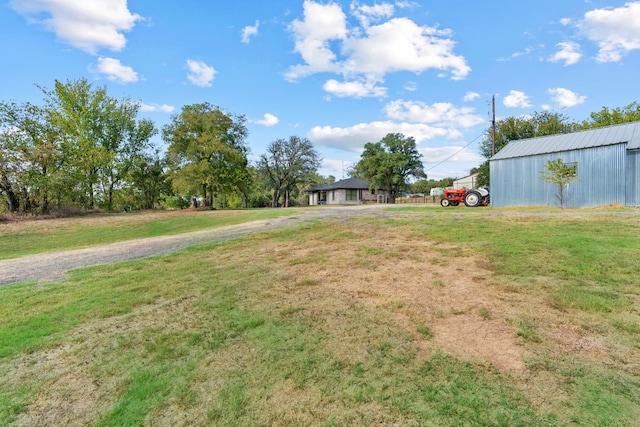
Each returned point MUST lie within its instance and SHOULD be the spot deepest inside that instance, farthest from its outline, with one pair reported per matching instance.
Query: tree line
(83, 149)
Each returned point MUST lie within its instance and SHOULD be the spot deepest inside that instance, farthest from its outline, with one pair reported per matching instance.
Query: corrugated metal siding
(627, 132)
(633, 178)
(517, 182)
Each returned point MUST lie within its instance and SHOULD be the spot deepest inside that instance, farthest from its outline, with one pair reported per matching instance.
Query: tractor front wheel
(444, 202)
(472, 199)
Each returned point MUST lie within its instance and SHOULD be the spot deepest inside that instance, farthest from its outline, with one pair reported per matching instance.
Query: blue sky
(341, 73)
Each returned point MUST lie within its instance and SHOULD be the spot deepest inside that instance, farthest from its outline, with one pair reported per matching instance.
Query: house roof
(610, 135)
(465, 177)
(345, 184)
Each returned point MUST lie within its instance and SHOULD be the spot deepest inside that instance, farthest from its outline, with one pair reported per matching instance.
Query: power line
(438, 164)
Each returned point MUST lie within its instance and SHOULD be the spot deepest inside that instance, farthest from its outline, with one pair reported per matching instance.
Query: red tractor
(471, 198)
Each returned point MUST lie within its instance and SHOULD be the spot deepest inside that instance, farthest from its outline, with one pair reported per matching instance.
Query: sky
(340, 73)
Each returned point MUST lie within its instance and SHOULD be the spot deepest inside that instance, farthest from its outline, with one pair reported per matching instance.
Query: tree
(207, 151)
(606, 117)
(30, 158)
(515, 128)
(146, 173)
(559, 174)
(286, 164)
(76, 149)
(98, 136)
(129, 142)
(424, 186)
(389, 163)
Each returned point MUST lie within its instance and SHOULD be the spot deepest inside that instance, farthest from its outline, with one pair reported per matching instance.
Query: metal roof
(345, 184)
(624, 133)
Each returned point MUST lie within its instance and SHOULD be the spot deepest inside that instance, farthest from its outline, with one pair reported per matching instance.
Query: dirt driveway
(53, 266)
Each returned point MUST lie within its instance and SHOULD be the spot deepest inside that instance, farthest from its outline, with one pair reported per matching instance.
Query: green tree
(607, 117)
(424, 186)
(287, 164)
(130, 140)
(515, 128)
(98, 133)
(30, 158)
(146, 173)
(560, 174)
(389, 163)
(207, 151)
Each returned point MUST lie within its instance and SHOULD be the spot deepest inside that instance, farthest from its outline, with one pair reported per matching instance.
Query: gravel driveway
(50, 267)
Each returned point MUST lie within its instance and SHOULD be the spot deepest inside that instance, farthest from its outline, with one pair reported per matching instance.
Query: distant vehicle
(437, 191)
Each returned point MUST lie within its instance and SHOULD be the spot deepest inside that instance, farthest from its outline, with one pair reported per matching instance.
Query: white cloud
(87, 25)
(569, 53)
(326, 44)
(411, 86)
(152, 108)
(366, 14)
(321, 25)
(441, 113)
(616, 31)
(115, 71)
(249, 31)
(516, 99)
(354, 89)
(337, 168)
(471, 96)
(200, 74)
(566, 98)
(268, 120)
(355, 137)
(402, 45)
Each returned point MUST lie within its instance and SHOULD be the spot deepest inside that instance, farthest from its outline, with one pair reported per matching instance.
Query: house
(467, 182)
(607, 161)
(345, 192)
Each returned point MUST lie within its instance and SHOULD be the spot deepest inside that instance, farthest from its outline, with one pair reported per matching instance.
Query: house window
(352, 195)
(333, 196)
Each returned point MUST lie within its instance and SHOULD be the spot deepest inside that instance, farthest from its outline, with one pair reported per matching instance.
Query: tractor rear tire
(472, 199)
(444, 202)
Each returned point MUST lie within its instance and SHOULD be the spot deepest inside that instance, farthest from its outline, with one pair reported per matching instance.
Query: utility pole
(493, 126)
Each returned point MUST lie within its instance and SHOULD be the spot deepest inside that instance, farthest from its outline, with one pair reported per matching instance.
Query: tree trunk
(14, 202)
(110, 197)
(91, 199)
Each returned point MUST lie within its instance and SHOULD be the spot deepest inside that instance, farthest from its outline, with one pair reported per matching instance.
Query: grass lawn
(436, 318)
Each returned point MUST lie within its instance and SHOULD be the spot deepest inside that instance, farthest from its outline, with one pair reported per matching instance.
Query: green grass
(39, 238)
(231, 334)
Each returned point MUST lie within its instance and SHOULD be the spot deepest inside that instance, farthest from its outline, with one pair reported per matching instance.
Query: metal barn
(607, 160)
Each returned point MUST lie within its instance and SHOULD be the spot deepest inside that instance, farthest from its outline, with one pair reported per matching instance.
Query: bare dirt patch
(410, 277)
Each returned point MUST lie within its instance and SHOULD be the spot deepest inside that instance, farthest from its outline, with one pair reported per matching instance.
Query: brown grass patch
(74, 390)
(391, 271)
